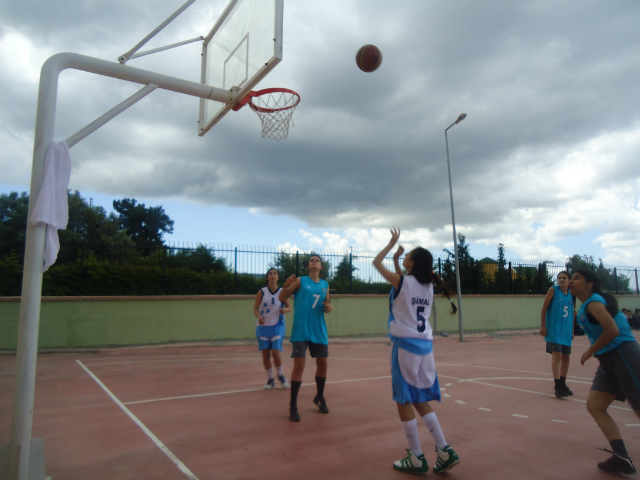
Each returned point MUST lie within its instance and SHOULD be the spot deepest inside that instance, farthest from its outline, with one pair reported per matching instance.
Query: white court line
(514, 378)
(540, 393)
(484, 409)
(166, 358)
(501, 368)
(632, 424)
(460, 402)
(559, 421)
(182, 397)
(446, 395)
(183, 468)
(519, 416)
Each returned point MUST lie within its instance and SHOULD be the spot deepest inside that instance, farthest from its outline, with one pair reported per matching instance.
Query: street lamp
(455, 237)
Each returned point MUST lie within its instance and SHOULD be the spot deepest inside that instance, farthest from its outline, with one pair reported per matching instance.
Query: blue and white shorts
(413, 376)
(273, 343)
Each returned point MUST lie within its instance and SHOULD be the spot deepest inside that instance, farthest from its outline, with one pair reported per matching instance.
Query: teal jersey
(559, 319)
(594, 331)
(308, 316)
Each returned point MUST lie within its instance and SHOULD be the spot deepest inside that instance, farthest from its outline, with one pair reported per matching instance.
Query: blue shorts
(421, 382)
(270, 343)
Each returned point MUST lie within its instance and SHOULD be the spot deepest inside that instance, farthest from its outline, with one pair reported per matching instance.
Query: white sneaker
(412, 463)
(270, 384)
(283, 381)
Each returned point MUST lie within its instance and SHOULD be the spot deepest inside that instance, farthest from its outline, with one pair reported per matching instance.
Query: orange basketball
(368, 58)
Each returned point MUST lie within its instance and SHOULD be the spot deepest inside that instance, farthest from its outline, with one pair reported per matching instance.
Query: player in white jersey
(413, 372)
(269, 311)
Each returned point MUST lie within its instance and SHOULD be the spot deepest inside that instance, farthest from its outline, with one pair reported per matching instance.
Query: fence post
(235, 272)
(637, 289)
(540, 277)
(164, 270)
(510, 280)
(439, 267)
(351, 272)
(615, 279)
(477, 277)
(297, 264)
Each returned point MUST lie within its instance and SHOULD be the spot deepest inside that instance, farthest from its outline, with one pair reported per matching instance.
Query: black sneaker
(561, 393)
(617, 463)
(294, 416)
(566, 389)
(321, 404)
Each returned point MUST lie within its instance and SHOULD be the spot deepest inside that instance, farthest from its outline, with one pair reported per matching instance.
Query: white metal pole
(455, 237)
(27, 350)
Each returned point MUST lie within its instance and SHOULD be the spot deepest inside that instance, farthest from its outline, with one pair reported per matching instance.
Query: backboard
(239, 51)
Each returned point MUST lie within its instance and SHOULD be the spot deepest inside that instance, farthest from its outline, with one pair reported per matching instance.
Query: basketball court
(199, 411)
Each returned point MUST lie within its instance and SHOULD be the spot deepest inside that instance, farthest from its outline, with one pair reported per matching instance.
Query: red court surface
(200, 412)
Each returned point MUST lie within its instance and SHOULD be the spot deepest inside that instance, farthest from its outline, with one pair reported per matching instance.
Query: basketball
(368, 58)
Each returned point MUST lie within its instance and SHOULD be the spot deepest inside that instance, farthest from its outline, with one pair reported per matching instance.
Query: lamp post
(455, 237)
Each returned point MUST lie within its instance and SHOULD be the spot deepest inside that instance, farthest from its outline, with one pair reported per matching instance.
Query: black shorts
(557, 347)
(317, 350)
(619, 373)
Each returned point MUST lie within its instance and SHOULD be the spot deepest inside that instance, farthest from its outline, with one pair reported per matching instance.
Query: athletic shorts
(557, 347)
(273, 343)
(316, 350)
(619, 373)
(413, 377)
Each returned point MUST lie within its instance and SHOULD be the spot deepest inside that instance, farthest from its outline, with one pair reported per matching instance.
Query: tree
(468, 274)
(199, 260)
(344, 270)
(13, 223)
(144, 225)
(285, 263)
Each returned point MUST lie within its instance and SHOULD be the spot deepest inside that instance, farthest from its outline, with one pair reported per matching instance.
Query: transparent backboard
(240, 50)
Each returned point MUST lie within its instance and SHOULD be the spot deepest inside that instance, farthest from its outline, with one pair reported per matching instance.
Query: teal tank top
(308, 316)
(559, 319)
(594, 331)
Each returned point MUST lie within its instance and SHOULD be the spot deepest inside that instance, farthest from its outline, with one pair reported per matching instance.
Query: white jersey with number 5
(410, 309)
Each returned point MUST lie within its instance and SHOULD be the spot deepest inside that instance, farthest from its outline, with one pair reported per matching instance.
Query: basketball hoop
(275, 107)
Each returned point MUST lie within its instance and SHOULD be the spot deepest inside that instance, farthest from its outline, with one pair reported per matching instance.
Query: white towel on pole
(52, 205)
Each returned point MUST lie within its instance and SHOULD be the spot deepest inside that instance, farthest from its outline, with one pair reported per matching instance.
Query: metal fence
(227, 269)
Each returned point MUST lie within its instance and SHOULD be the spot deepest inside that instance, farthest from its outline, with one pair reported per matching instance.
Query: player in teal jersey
(557, 329)
(309, 330)
(618, 375)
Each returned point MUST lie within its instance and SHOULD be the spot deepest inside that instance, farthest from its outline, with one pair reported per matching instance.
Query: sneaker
(617, 463)
(561, 392)
(412, 463)
(270, 384)
(283, 381)
(447, 459)
(321, 404)
(566, 389)
(294, 416)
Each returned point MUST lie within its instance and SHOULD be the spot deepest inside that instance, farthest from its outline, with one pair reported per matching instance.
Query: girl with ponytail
(413, 372)
(618, 375)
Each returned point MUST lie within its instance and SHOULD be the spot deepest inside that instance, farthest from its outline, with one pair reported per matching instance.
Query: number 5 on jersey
(421, 320)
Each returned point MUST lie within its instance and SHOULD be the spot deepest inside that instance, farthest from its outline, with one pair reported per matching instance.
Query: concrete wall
(71, 322)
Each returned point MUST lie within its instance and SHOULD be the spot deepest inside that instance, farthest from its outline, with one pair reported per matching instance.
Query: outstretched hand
(399, 252)
(289, 280)
(395, 236)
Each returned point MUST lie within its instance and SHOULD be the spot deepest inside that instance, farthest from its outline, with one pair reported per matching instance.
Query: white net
(275, 108)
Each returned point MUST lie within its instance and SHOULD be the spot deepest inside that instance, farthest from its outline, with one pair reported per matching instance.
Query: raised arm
(396, 259)
(291, 286)
(391, 277)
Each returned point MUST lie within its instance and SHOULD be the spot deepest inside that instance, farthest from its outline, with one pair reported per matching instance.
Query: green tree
(145, 226)
(199, 260)
(285, 263)
(468, 274)
(345, 270)
(13, 224)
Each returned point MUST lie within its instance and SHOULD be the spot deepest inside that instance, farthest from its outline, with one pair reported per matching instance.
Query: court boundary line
(177, 462)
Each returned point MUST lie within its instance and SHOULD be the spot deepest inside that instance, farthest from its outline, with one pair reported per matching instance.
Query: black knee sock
(618, 447)
(295, 388)
(320, 381)
(557, 382)
(563, 381)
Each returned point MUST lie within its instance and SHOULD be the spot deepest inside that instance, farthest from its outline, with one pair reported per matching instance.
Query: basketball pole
(20, 459)
(455, 237)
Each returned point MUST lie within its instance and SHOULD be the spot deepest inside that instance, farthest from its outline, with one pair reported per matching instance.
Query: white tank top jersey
(270, 307)
(411, 309)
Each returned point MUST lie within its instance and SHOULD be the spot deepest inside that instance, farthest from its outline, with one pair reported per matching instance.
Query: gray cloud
(549, 87)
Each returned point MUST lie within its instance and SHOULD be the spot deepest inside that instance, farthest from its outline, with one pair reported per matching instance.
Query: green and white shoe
(447, 459)
(412, 463)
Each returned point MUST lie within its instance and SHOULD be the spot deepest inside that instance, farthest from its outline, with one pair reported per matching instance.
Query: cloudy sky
(547, 161)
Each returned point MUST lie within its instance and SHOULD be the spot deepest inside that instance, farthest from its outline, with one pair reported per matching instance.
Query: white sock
(270, 373)
(279, 370)
(411, 431)
(431, 421)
